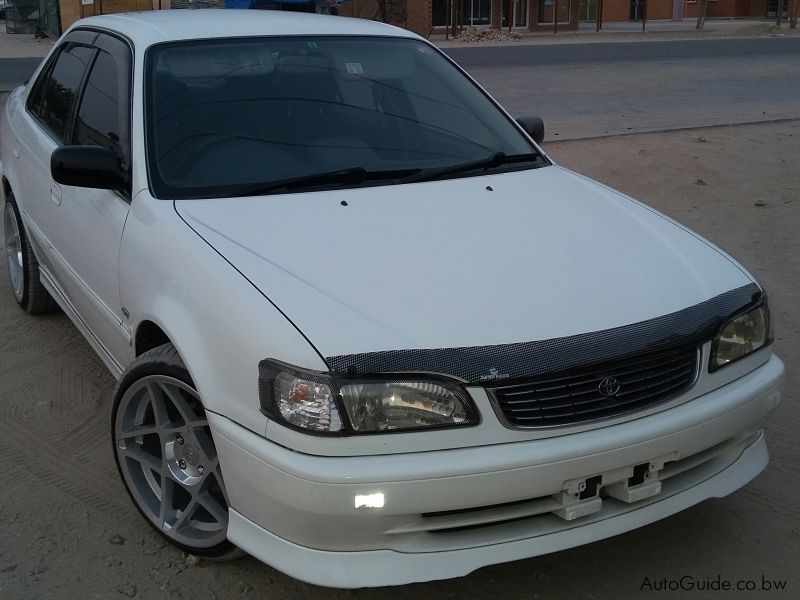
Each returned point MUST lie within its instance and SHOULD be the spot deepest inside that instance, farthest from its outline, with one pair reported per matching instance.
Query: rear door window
(61, 88)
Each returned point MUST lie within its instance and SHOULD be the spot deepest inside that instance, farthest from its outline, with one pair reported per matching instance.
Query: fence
(28, 16)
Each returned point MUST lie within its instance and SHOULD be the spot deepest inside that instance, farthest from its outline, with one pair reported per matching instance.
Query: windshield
(240, 116)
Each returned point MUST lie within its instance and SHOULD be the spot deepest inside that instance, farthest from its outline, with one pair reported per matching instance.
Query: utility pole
(644, 14)
(599, 17)
(555, 16)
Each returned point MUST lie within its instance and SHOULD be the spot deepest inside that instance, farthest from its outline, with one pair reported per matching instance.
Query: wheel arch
(173, 326)
(150, 335)
(6, 187)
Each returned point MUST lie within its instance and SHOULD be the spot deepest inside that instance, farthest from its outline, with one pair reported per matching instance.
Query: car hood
(497, 259)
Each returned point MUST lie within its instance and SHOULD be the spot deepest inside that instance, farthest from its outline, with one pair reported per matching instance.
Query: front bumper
(450, 512)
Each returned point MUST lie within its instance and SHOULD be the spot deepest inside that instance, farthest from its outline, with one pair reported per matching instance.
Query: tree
(794, 13)
(701, 15)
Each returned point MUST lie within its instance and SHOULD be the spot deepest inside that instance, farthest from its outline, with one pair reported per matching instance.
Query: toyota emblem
(609, 387)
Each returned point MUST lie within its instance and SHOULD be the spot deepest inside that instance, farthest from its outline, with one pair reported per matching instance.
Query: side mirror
(87, 166)
(533, 126)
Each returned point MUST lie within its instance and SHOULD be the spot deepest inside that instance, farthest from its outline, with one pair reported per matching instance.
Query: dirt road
(69, 531)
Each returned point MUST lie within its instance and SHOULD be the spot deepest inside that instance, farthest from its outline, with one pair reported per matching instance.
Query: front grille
(574, 396)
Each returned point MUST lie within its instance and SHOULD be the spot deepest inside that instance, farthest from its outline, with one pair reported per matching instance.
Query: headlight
(740, 336)
(329, 404)
(306, 403)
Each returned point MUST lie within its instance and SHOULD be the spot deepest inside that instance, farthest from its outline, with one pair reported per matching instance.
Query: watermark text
(691, 583)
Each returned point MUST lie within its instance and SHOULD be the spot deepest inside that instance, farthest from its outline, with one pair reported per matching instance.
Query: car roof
(153, 27)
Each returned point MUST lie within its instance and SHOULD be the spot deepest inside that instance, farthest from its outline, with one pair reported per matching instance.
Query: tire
(166, 456)
(23, 268)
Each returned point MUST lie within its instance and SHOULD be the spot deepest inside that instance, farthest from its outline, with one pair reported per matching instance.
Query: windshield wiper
(495, 160)
(352, 175)
(356, 175)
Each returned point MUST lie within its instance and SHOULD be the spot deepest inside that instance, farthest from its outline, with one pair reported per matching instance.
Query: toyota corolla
(363, 327)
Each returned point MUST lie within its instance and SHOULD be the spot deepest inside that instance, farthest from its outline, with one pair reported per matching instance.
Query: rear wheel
(23, 269)
(166, 455)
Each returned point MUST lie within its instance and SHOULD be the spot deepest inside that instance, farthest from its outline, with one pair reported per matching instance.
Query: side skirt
(55, 291)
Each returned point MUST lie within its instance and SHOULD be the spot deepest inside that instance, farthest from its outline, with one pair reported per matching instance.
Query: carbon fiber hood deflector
(489, 365)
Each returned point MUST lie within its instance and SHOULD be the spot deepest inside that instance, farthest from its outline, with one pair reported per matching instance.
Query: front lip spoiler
(372, 568)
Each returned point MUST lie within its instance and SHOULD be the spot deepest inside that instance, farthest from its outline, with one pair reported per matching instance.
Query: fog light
(370, 501)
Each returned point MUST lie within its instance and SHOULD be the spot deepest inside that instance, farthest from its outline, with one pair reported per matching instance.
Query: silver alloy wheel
(13, 243)
(169, 462)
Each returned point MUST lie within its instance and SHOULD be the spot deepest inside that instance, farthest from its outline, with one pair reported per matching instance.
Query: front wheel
(166, 455)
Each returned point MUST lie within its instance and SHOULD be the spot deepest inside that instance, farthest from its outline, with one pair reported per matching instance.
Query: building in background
(72, 10)
(634, 10)
(31, 16)
(435, 16)
(421, 16)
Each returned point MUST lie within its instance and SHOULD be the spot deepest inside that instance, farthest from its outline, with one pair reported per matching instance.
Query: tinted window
(225, 116)
(61, 88)
(100, 121)
(34, 103)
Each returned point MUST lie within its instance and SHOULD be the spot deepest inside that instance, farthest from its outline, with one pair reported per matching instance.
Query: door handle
(55, 193)
(15, 151)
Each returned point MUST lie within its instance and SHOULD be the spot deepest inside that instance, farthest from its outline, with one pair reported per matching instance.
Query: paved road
(526, 55)
(13, 71)
(587, 90)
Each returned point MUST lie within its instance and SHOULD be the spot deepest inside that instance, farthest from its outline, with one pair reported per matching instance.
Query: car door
(87, 224)
(40, 130)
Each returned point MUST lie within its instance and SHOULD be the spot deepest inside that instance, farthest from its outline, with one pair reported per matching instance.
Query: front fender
(221, 325)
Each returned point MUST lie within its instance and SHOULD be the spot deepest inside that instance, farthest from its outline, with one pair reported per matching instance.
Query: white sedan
(364, 329)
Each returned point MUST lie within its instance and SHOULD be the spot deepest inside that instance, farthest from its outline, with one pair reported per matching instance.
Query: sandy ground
(69, 530)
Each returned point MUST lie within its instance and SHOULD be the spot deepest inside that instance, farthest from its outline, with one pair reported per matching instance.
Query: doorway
(519, 8)
(547, 11)
(637, 10)
(479, 12)
(772, 8)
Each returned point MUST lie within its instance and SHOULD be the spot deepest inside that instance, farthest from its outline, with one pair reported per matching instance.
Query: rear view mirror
(533, 126)
(87, 166)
